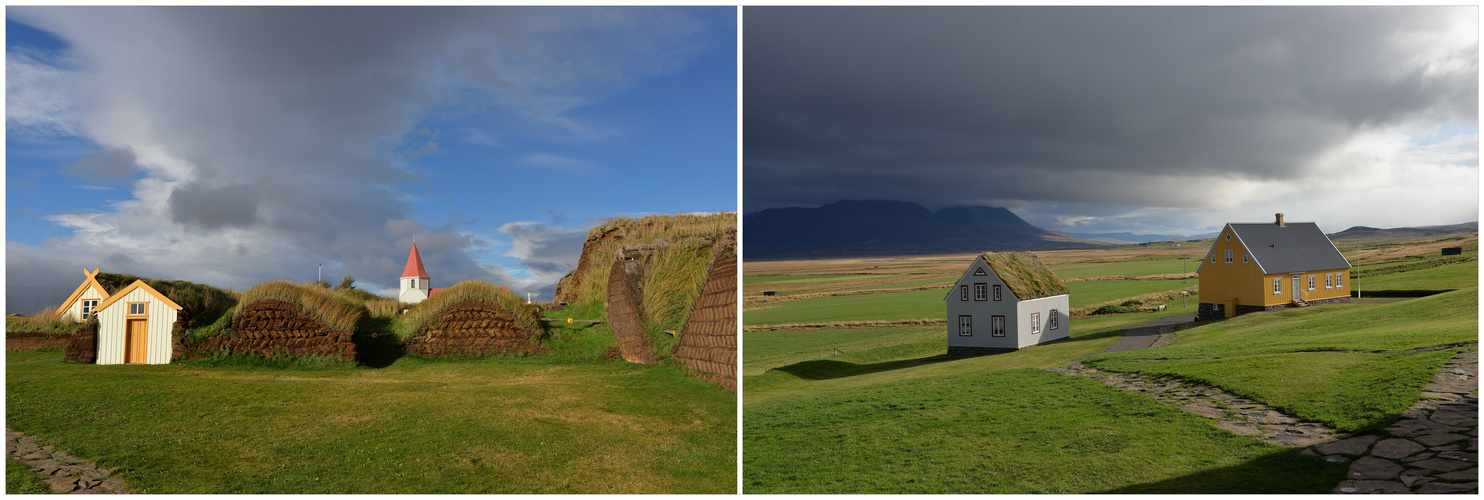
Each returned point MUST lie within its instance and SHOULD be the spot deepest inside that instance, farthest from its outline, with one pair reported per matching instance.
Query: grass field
(1449, 277)
(1341, 364)
(892, 414)
(19, 480)
(570, 422)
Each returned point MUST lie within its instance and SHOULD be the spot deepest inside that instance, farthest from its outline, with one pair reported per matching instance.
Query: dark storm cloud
(1005, 105)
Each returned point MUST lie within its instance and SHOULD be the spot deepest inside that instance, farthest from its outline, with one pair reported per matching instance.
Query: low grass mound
(201, 305)
(283, 319)
(1353, 367)
(472, 319)
(46, 323)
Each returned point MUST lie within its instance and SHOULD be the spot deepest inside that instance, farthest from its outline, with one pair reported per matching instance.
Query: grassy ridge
(772, 349)
(532, 425)
(1449, 277)
(591, 289)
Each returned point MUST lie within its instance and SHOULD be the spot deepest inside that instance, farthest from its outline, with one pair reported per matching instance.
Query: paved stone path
(64, 473)
(1433, 448)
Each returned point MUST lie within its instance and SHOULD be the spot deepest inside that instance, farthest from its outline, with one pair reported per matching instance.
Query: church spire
(414, 267)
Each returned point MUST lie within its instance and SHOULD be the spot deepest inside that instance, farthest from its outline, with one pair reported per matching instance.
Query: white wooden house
(83, 301)
(135, 326)
(1006, 301)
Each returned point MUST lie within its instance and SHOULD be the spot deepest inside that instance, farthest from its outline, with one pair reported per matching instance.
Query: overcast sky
(232, 146)
(1152, 120)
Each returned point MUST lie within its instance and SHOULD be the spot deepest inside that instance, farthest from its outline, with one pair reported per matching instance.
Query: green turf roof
(1025, 274)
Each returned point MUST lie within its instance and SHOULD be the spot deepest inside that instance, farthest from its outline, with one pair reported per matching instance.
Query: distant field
(873, 307)
(1092, 292)
(1135, 268)
(1449, 277)
(809, 278)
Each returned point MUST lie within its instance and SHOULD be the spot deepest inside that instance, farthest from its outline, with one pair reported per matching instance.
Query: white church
(416, 285)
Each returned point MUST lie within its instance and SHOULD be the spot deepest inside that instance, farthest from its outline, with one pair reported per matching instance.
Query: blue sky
(232, 146)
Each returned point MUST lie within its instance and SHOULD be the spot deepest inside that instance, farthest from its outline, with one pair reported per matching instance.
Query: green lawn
(1338, 364)
(549, 424)
(1136, 268)
(19, 480)
(772, 349)
(1006, 431)
(1449, 277)
(809, 278)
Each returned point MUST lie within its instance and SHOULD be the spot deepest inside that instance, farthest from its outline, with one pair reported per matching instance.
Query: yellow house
(1270, 266)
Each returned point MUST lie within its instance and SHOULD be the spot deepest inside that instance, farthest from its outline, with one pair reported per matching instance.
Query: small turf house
(1006, 301)
(1270, 266)
(135, 324)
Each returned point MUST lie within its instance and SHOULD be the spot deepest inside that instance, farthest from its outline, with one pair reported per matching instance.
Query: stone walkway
(64, 473)
(1433, 448)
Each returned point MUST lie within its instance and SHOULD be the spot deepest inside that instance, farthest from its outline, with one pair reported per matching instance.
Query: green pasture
(1135, 268)
(19, 480)
(809, 278)
(772, 349)
(1342, 365)
(1449, 277)
(1093, 292)
(869, 307)
(1004, 431)
(569, 422)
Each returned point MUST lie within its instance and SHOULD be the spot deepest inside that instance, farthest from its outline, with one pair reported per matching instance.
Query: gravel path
(63, 473)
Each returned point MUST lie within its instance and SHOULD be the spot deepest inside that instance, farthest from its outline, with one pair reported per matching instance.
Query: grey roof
(1294, 248)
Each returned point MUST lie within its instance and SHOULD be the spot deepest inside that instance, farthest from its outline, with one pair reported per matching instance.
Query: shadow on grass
(375, 347)
(1284, 471)
(826, 369)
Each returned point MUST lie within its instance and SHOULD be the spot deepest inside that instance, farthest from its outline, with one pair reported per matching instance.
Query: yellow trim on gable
(83, 288)
(137, 284)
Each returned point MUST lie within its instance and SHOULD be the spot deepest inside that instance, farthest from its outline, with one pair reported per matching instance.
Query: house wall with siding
(112, 322)
(1220, 282)
(1045, 306)
(982, 310)
(74, 312)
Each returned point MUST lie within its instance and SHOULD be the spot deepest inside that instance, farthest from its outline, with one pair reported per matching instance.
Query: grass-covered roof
(1025, 274)
(425, 313)
(335, 311)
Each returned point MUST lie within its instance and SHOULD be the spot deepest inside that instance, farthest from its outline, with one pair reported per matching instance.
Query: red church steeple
(414, 267)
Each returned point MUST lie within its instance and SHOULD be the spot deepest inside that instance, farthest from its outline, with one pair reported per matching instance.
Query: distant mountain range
(1371, 233)
(854, 227)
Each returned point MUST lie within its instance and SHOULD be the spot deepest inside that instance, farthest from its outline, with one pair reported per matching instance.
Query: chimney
(1280, 220)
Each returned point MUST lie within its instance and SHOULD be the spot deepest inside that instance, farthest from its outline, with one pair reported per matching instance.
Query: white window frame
(963, 292)
(997, 292)
(414, 283)
(965, 325)
(1329, 282)
(1213, 257)
(997, 326)
(1339, 280)
(1244, 258)
(1051, 323)
(1228, 256)
(143, 309)
(981, 291)
(1035, 323)
(87, 307)
(1277, 286)
(1311, 282)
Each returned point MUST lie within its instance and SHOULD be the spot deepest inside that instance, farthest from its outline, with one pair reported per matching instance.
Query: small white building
(135, 325)
(83, 301)
(1006, 301)
(416, 285)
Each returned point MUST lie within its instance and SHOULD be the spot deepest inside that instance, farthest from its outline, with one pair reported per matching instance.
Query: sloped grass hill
(283, 318)
(585, 288)
(1353, 367)
(472, 319)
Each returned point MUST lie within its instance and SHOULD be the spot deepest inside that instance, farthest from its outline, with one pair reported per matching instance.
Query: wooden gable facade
(1261, 266)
